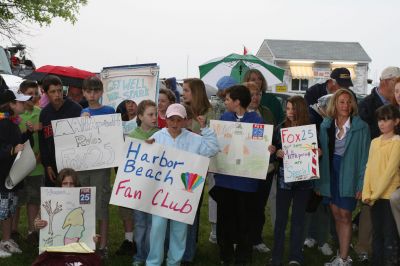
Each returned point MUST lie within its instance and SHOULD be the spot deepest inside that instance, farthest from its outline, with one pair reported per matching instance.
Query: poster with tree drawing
(70, 214)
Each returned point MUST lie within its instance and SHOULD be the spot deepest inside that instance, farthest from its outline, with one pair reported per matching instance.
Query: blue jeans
(177, 241)
(141, 237)
(191, 240)
(284, 198)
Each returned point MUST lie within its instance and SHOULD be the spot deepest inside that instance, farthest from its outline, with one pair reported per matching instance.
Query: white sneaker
(310, 242)
(10, 246)
(262, 248)
(4, 254)
(212, 238)
(326, 249)
(338, 261)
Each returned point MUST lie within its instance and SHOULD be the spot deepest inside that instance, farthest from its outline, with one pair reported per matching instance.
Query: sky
(181, 35)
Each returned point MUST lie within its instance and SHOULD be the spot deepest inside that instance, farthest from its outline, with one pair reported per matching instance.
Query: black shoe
(33, 239)
(126, 248)
(102, 253)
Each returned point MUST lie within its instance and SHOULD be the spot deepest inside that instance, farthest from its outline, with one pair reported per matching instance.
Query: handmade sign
(86, 143)
(23, 165)
(70, 214)
(129, 126)
(243, 149)
(136, 83)
(300, 147)
(160, 180)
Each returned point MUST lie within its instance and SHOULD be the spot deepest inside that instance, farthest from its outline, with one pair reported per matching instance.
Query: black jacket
(315, 92)
(367, 110)
(69, 109)
(10, 136)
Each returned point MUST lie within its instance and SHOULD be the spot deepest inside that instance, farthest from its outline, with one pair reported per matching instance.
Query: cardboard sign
(160, 180)
(86, 143)
(136, 83)
(70, 214)
(300, 147)
(243, 149)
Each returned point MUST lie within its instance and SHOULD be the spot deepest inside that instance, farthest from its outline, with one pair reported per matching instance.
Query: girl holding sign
(11, 139)
(176, 136)
(296, 193)
(382, 178)
(345, 141)
(147, 126)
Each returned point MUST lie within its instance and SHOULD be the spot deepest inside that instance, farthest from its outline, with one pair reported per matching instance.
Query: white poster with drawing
(86, 143)
(160, 180)
(300, 147)
(243, 149)
(70, 214)
(136, 83)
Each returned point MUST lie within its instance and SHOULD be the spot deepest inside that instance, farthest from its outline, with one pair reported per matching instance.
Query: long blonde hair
(331, 109)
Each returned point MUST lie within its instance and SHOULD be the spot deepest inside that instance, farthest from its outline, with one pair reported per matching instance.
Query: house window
(299, 84)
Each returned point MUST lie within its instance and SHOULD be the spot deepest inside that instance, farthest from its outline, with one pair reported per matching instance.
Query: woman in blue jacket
(345, 141)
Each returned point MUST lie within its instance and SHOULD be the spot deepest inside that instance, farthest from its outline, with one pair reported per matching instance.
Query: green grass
(207, 253)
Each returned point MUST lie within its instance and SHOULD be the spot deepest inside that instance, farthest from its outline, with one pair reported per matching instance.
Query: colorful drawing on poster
(75, 222)
(191, 181)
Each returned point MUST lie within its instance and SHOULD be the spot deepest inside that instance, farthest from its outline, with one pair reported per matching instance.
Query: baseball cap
(226, 82)
(390, 72)
(342, 77)
(9, 95)
(176, 109)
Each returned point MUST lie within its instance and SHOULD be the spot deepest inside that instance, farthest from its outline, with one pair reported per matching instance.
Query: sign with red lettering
(160, 180)
(300, 147)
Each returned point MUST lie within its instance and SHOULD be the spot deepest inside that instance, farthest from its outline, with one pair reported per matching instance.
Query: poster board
(23, 165)
(243, 149)
(160, 180)
(300, 147)
(86, 143)
(70, 214)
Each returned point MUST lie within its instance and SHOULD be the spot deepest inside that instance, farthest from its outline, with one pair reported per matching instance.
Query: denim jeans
(284, 199)
(141, 236)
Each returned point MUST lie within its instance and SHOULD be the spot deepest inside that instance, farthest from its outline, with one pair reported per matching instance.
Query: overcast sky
(172, 33)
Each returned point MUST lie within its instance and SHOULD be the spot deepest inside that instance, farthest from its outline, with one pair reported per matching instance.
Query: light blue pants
(142, 235)
(177, 241)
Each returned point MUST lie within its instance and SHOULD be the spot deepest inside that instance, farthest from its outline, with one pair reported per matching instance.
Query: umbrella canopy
(236, 66)
(70, 76)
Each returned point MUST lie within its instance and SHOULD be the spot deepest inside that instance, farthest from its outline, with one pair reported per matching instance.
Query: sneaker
(127, 248)
(4, 254)
(310, 242)
(294, 263)
(212, 238)
(363, 257)
(338, 261)
(10, 246)
(326, 249)
(33, 239)
(102, 252)
(262, 248)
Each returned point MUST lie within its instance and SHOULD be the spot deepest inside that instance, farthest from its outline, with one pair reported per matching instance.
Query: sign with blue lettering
(160, 180)
(86, 143)
(300, 147)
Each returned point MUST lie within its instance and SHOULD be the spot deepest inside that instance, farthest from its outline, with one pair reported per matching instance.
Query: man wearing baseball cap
(339, 78)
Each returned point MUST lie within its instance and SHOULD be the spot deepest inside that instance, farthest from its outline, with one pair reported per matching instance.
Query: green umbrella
(236, 66)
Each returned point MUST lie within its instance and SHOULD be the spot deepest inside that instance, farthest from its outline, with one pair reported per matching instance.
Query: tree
(14, 14)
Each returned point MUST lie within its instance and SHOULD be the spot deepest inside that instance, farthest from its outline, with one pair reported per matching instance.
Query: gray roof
(315, 50)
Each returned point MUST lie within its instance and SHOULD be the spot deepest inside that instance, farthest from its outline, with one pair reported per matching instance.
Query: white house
(310, 62)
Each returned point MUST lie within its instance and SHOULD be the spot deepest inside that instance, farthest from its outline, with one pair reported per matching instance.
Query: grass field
(207, 253)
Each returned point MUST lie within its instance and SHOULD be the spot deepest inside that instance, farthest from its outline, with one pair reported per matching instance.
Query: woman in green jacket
(345, 141)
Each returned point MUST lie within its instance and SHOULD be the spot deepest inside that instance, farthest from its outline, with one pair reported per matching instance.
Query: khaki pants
(364, 231)
(395, 205)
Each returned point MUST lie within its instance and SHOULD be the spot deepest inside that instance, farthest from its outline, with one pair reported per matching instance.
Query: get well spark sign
(160, 180)
(300, 148)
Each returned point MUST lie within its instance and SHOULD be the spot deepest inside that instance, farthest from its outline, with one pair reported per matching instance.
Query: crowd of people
(359, 156)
